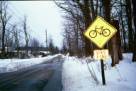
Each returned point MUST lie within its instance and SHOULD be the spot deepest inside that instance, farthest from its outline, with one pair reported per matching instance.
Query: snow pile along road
(9, 65)
(77, 77)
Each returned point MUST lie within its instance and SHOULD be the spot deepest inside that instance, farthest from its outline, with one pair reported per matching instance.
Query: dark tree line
(79, 14)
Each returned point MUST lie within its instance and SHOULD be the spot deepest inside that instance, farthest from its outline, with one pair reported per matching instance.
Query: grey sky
(41, 15)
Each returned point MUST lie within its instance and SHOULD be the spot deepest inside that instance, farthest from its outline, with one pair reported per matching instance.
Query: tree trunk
(123, 28)
(115, 58)
(134, 15)
(107, 9)
(130, 30)
(3, 40)
(87, 18)
(118, 39)
(134, 51)
(112, 43)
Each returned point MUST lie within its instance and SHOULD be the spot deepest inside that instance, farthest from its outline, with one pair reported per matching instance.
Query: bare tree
(9, 38)
(67, 38)
(16, 34)
(34, 43)
(4, 18)
(83, 15)
(51, 46)
(71, 34)
(26, 34)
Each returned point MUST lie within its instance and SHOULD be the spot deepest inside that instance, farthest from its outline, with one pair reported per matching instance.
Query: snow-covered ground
(9, 65)
(77, 77)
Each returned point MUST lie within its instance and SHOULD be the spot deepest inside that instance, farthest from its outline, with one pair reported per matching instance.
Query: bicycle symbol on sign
(103, 31)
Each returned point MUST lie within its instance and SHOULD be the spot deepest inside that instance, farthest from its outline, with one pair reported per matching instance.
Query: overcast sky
(41, 15)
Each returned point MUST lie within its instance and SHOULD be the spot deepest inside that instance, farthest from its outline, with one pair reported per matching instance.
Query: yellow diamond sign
(100, 31)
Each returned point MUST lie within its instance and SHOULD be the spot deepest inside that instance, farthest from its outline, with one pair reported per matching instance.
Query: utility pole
(46, 38)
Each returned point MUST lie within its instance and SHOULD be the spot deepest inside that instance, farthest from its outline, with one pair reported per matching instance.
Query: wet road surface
(41, 77)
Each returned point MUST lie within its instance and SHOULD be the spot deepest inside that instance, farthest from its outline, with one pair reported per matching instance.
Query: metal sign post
(102, 55)
(103, 73)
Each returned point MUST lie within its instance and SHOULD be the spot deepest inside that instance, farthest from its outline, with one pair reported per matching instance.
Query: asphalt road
(41, 77)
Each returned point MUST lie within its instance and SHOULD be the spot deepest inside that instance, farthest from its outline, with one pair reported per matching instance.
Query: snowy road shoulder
(9, 65)
(76, 76)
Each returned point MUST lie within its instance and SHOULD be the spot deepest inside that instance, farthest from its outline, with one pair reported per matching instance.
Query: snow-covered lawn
(8, 65)
(76, 76)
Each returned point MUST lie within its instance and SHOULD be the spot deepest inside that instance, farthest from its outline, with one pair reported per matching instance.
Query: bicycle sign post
(100, 32)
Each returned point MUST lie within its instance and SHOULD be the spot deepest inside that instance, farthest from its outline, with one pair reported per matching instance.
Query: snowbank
(77, 77)
(8, 65)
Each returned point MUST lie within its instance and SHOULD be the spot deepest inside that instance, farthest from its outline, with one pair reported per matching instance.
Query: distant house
(24, 52)
(34, 50)
(8, 49)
